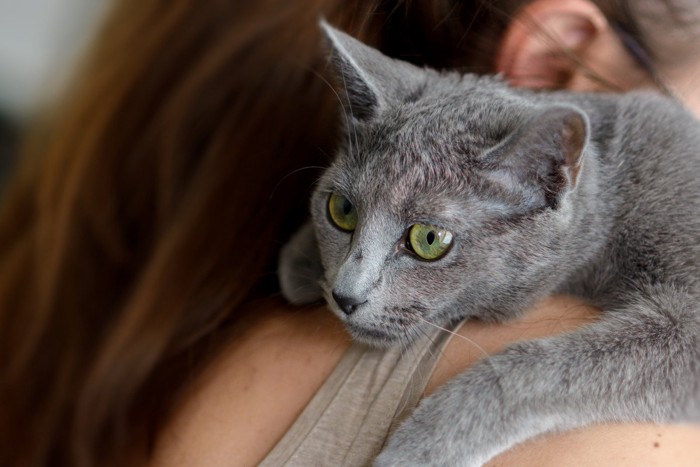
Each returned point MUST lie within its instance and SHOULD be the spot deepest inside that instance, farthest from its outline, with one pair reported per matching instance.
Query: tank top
(368, 394)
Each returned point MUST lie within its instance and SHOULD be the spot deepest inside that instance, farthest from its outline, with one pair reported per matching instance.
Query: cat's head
(448, 198)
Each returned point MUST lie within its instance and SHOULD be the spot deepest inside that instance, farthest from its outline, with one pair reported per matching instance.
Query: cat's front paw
(466, 423)
(300, 268)
(411, 447)
(418, 443)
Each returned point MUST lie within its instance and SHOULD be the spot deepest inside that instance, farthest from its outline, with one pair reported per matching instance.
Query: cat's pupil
(347, 207)
(430, 237)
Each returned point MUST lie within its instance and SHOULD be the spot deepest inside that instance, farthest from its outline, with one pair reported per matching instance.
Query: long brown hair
(150, 204)
(146, 219)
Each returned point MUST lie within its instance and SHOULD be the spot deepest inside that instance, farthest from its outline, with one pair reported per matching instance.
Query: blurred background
(40, 41)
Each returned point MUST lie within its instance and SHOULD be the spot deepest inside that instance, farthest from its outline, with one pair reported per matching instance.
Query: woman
(138, 251)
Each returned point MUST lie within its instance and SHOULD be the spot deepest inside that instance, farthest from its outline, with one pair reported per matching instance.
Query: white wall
(39, 40)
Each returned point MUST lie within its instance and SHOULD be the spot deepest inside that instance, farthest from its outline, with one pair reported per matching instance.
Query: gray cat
(456, 196)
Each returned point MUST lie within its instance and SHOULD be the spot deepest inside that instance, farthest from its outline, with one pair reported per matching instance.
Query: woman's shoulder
(276, 359)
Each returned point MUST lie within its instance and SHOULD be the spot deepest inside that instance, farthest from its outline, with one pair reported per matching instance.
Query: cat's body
(593, 195)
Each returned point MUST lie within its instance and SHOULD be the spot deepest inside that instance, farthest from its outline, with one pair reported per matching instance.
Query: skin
(251, 394)
(246, 400)
(279, 356)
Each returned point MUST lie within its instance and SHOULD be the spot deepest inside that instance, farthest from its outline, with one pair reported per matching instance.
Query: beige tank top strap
(366, 396)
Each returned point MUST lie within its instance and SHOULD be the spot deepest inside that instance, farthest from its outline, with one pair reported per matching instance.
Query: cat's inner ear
(542, 160)
(368, 81)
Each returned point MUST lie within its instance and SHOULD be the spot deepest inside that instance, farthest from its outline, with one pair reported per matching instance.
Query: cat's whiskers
(464, 338)
(430, 349)
(295, 171)
(301, 253)
(301, 288)
(492, 362)
(405, 344)
(354, 130)
(340, 101)
(325, 291)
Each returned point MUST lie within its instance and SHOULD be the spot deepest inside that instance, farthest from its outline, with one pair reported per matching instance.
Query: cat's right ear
(541, 161)
(367, 81)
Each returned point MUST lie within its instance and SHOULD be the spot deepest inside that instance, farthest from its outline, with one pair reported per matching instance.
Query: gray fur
(592, 195)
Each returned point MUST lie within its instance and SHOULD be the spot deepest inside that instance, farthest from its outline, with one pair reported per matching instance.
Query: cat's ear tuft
(542, 160)
(367, 81)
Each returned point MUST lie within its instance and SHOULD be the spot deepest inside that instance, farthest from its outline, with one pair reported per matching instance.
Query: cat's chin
(374, 337)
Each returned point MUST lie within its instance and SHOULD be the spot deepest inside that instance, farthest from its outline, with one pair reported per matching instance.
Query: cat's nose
(347, 304)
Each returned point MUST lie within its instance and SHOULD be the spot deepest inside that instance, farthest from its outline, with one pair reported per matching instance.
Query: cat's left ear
(368, 81)
(542, 160)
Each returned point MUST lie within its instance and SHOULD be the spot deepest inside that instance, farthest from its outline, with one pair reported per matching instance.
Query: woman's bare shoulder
(248, 397)
(610, 445)
(278, 357)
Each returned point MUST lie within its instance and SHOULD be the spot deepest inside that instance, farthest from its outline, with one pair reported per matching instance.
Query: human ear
(548, 39)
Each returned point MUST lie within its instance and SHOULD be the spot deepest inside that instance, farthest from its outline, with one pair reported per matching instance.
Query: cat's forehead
(423, 147)
(427, 147)
(410, 181)
(462, 103)
(456, 119)
(445, 196)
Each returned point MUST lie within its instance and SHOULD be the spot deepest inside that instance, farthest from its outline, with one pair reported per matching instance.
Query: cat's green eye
(342, 212)
(429, 242)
